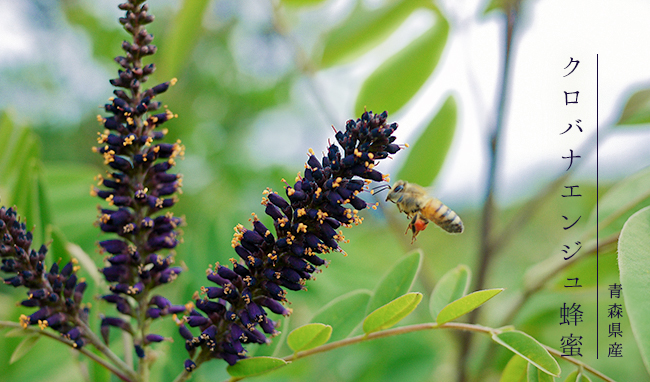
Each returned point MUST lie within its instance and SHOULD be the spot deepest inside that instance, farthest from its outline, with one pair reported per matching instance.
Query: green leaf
(577, 376)
(620, 201)
(527, 347)
(637, 109)
(608, 270)
(344, 313)
(248, 367)
(501, 5)
(515, 370)
(397, 281)
(536, 375)
(23, 347)
(363, 30)
(301, 3)
(105, 40)
(400, 77)
(391, 313)
(87, 264)
(182, 37)
(466, 304)
(309, 336)
(427, 155)
(634, 268)
(452, 286)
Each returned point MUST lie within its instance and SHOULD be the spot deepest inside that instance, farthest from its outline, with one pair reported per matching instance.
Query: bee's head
(396, 192)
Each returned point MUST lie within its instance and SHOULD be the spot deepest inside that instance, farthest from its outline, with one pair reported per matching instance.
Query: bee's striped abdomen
(443, 216)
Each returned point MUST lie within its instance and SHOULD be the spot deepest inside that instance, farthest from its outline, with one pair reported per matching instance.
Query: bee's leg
(417, 224)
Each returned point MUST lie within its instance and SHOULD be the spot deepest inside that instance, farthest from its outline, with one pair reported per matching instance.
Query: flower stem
(185, 375)
(99, 345)
(410, 329)
(123, 374)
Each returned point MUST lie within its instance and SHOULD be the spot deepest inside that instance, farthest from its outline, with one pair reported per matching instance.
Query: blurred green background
(260, 82)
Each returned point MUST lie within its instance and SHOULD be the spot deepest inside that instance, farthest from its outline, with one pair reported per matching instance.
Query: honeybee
(420, 208)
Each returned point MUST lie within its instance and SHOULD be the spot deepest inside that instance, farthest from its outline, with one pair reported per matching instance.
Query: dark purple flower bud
(290, 274)
(242, 271)
(121, 163)
(317, 261)
(255, 311)
(358, 203)
(169, 274)
(258, 337)
(146, 223)
(29, 303)
(267, 326)
(296, 263)
(124, 307)
(139, 351)
(71, 282)
(195, 321)
(252, 237)
(118, 323)
(189, 365)
(215, 278)
(114, 273)
(227, 273)
(313, 162)
(291, 285)
(79, 292)
(210, 307)
(166, 241)
(153, 313)
(275, 291)
(209, 333)
(235, 347)
(73, 333)
(243, 252)
(273, 211)
(175, 309)
(275, 306)
(67, 269)
(160, 301)
(56, 319)
(154, 338)
(120, 288)
(230, 358)
(118, 259)
(312, 240)
(278, 200)
(214, 292)
(185, 332)
(136, 289)
(38, 293)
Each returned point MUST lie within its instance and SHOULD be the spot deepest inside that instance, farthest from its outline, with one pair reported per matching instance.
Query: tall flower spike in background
(319, 202)
(137, 188)
(57, 294)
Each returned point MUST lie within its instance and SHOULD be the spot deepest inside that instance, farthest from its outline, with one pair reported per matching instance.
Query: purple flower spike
(56, 294)
(319, 202)
(138, 189)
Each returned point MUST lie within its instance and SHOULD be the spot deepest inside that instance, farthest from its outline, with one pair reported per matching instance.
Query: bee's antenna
(380, 188)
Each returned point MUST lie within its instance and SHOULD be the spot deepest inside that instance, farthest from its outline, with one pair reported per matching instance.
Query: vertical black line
(597, 238)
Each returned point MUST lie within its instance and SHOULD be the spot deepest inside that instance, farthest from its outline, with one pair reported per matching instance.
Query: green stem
(120, 373)
(417, 328)
(486, 240)
(550, 274)
(99, 345)
(200, 358)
